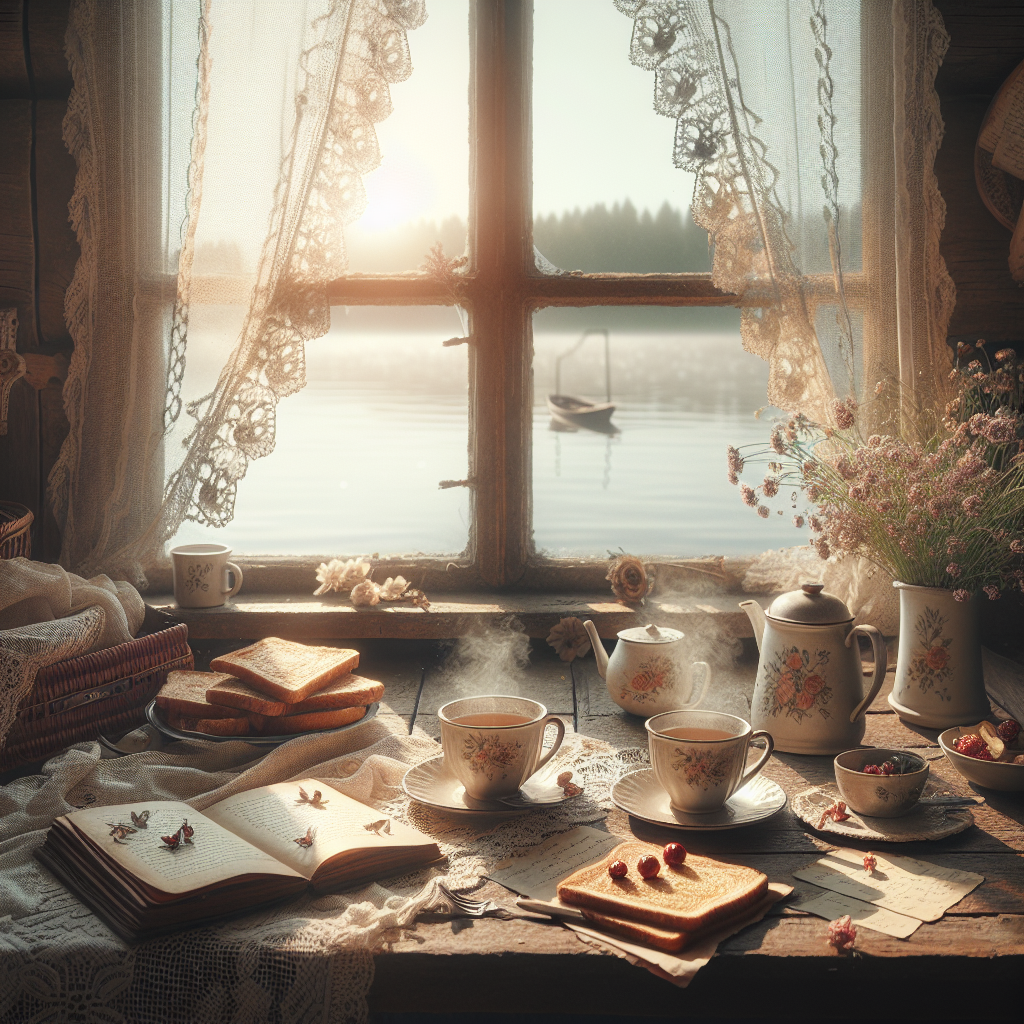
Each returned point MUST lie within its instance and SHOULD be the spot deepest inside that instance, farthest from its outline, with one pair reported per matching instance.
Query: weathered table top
(966, 965)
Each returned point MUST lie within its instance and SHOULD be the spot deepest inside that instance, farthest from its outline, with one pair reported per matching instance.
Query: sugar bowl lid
(650, 634)
(810, 606)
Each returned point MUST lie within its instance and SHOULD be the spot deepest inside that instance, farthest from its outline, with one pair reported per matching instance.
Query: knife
(551, 909)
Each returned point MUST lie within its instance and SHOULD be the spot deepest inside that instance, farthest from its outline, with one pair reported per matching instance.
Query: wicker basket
(15, 530)
(105, 692)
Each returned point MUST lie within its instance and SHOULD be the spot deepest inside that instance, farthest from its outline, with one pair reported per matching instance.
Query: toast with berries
(691, 897)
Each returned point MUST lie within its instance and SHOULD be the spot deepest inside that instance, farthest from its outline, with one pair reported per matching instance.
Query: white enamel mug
(201, 575)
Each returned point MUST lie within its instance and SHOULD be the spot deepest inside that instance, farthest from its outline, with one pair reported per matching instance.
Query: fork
(466, 907)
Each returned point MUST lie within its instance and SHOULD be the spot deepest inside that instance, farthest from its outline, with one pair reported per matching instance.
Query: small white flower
(340, 576)
(393, 589)
(367, 592)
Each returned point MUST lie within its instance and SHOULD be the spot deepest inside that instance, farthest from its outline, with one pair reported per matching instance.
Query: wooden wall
(38, 249)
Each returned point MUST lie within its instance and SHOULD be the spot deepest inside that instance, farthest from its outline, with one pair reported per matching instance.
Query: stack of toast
(671, 911)
(272, 688)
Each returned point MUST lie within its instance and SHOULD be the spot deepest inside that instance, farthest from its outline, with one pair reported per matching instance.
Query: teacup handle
(704, 685)
(881, 656)
(761, 761)
(560, 728)
(231, 567)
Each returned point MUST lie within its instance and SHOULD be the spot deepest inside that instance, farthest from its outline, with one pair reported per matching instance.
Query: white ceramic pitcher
(647, 672)
(809, 692)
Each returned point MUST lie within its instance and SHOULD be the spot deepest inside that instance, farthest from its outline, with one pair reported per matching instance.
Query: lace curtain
(220, 150)
(812, 127)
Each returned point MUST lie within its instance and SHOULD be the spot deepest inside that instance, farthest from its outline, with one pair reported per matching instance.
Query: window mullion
(500, 247)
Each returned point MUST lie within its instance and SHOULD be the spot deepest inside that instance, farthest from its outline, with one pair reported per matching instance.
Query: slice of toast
(347, 692)
(184, 693)
(312, 721)
(211, 726)
(699, 893)
(287, 671)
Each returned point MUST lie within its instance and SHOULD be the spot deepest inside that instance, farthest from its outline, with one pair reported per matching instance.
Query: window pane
(651, 481)
(361, 449)
(606, 196)
(420, 193)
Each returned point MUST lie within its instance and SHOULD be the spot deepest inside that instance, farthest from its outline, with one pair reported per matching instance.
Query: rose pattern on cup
(197, 577)
(488, 755)
(930, 666)
(795, 685)
(652, 676)
(702, 768)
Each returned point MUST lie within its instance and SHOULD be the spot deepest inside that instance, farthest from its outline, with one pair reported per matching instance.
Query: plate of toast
(266, 694)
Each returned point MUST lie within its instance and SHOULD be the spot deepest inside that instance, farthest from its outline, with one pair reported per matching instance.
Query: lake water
(383, 419)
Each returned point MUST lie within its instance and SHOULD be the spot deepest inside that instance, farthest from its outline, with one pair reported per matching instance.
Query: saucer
(433, 783)
(925, 822)
(639, 794)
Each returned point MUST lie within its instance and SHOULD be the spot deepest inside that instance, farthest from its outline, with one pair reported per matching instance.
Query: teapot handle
(704, 686)
(881, 655)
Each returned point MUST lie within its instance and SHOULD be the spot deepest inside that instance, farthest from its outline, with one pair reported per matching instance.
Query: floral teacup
(493, 744)
(700, 757)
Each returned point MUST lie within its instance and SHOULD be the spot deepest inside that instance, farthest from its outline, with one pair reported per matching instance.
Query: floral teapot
(809, 692)
(646, 673)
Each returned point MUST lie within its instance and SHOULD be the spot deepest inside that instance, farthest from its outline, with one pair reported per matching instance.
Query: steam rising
(489, 659)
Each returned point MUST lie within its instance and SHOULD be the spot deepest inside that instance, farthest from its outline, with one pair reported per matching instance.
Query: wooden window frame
(503, 288)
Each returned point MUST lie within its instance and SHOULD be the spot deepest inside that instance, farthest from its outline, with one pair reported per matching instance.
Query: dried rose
(569, 639)
(870, 863)
(365, 593)
(629, 579)
(340, 576)
(841, 933)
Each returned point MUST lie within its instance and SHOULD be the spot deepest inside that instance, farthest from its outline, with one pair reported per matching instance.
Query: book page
(912, 887)
(275, 818)
(992, 130)
(1009, 151)
(214, 855)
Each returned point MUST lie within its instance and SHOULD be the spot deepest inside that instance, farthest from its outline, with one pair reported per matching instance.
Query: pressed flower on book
(946, 511)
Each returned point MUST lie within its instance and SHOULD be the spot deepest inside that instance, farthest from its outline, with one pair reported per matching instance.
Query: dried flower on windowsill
(629, 579)
(365, 593)
(393, 589)
(418, 599)
(569, 639)
(340, 576)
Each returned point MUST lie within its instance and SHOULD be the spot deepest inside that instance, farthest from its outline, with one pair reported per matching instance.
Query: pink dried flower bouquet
(945, 512)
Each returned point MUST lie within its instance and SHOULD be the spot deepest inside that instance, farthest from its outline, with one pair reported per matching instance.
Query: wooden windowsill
(452, 615)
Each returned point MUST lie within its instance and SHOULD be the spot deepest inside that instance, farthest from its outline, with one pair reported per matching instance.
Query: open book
(151, 867)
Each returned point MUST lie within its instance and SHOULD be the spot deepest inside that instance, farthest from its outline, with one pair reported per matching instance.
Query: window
(516, 502)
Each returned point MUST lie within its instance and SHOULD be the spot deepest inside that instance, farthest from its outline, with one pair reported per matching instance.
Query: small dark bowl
(879, 796)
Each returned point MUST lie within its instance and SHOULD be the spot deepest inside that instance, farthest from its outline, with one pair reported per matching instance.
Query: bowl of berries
(880, 783)
(990, 755)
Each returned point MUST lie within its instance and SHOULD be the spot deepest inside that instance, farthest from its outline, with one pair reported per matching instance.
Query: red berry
(648, 866)
(617, 869)
(888, 768)
(674, 854)
(972, 745)
(1008, 730)
(872, 769)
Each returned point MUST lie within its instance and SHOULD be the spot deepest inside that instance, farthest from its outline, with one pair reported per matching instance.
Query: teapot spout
(756, 615)
(600, 654)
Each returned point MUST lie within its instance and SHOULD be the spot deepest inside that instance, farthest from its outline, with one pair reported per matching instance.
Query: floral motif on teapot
(647, 683)
(488, 755)
(794, 684)
(930, 664)
(702, 768)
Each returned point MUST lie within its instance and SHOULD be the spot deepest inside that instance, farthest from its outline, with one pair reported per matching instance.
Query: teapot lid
(809, 606)
(650, 634)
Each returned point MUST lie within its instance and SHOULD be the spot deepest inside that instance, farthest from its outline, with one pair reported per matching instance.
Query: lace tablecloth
(304, 962)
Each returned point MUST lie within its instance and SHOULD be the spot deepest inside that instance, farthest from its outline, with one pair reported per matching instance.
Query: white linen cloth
(48, 614)
(308, 960)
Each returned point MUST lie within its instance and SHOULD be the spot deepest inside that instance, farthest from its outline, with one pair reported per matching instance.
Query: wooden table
(966, 966)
